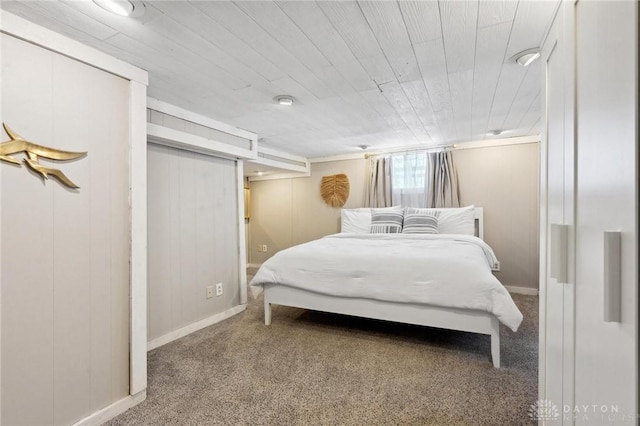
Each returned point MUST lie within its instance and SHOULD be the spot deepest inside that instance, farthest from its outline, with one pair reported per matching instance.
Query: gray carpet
(311, 368)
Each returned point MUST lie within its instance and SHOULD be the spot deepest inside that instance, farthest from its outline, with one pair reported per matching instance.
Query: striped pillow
(387, 220)
(417, 222)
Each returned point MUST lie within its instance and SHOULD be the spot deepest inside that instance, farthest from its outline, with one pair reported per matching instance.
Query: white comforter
(437, 269)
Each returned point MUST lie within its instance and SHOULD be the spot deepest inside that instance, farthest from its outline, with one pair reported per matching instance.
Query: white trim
(522, 290)
(341, 157)
(199, 325)
(285, 166)
(113, 410)
(138, 181)
(279, 176)
(281, 154)
(182, 140)
(488, 143)
(33, 33)
(242, 245)
(270, 162)
(184, 114)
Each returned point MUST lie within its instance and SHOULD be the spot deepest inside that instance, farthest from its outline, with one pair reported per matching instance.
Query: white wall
(502, 179)
(65, 253)
(193, 237)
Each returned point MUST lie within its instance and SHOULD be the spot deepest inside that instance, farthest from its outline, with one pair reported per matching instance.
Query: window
(409, 179)
(409, 171)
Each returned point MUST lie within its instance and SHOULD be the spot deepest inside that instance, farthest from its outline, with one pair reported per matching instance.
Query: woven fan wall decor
(334, 190)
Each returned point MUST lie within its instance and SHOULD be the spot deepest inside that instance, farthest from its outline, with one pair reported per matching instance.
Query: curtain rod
(406, 151)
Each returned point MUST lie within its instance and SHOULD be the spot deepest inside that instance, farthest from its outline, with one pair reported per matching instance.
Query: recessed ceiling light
(526, 57)
(259, 173)
(131, 8)
(285, 100)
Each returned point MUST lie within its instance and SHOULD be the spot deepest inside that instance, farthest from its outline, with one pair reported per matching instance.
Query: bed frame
(468, 320)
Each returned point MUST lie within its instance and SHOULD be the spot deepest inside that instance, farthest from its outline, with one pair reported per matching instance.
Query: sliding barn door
(193, 239)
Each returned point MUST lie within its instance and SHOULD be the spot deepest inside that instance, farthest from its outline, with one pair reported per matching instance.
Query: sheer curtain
(442, 188)
(378, 187)
(409, 179)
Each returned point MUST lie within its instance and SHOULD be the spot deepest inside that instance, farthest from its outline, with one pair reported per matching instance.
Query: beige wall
(285, 212)
(502, 179)
(65, 253)
(193, 237)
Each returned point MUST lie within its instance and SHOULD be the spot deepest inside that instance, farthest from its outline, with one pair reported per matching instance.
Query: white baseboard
(522, 290)
(181, 332)
(118, 407)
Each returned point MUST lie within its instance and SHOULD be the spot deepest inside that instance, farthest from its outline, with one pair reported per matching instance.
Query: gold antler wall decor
(18, 144)
(334, 190)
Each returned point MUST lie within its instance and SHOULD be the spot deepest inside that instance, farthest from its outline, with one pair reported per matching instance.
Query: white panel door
(606, 366)
(589, 366)
(557, 220)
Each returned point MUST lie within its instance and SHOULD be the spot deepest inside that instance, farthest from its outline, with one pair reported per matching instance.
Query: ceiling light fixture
(526, 57)
(285, 100)
(130, 8)
(496, 132)
(364, 147)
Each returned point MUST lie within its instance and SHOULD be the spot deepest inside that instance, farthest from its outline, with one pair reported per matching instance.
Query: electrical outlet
(264, 248)
(496, 267)
(259, 248)
(209, 291)
(219, 289)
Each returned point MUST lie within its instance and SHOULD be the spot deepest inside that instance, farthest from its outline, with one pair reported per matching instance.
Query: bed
(441, 280)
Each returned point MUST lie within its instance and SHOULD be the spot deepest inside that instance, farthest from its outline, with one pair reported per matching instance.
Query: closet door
(589, 295)
(606, 366)
(557, 287)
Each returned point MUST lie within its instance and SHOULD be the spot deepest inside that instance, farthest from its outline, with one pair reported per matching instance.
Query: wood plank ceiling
(381, 73)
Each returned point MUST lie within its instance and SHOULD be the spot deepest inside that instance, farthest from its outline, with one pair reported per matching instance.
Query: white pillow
(355, 221)
(457, 221)
(454, 220)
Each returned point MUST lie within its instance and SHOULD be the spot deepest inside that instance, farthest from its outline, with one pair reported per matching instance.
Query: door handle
(612, 276)
(558, 247)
